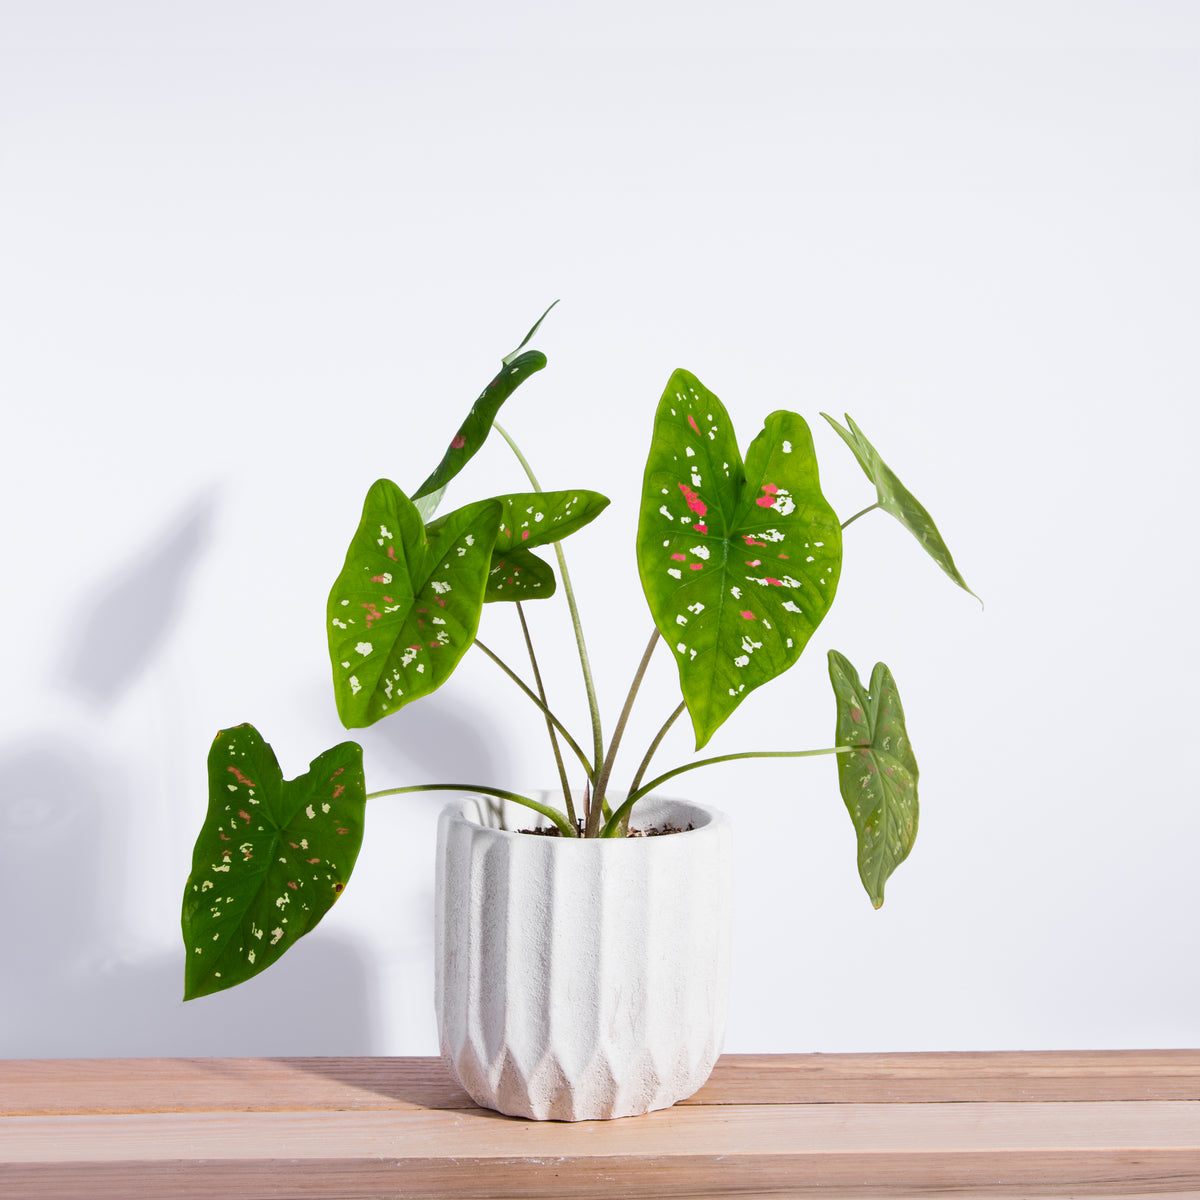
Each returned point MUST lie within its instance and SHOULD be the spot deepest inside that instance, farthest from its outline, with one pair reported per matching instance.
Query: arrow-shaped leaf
(272, 857)
(895, 498)
(739, 563)
(879, 781)
(405, 608)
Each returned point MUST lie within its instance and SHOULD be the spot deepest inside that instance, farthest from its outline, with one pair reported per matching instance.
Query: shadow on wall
(133, 612)
(64, 870)
(440, 739)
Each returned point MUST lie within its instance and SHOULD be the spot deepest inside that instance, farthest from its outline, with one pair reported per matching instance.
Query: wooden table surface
(1111, 1123)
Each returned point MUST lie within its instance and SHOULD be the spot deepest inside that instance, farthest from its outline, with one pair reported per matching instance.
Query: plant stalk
(644, 765)
(537, 678)
(583, 758)
(614, 823)
(584, 662)
(552, 814)
(595, 811)
(861, 513)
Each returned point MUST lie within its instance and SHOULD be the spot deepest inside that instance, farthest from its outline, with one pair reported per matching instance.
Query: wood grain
(1029, 1125)
(137, 1085)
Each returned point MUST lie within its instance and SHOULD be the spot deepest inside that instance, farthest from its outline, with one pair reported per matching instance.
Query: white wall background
(255, 255)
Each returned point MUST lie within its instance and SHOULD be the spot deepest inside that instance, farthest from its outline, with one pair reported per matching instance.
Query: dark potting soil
(652, 831)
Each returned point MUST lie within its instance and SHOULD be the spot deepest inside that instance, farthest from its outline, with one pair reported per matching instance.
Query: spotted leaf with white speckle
(272, 857)
(739, 563)
(878, 781)
(519, 575)
(406, 605)
(535, 519)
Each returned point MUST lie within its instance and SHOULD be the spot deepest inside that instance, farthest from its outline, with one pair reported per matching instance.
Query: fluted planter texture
(582, 979)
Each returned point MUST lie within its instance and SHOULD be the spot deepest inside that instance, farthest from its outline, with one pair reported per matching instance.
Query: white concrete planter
(576, 978)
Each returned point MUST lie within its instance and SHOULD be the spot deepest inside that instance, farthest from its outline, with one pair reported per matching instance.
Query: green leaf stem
(879, 781)
(406, 605)
(739, 563)
(272, 856)
(896, 499)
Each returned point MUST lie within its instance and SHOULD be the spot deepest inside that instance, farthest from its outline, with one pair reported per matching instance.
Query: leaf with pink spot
(515, 368)
(701, 508)
(531, 519)
(478, 424)
(405, 607)
(519, 575)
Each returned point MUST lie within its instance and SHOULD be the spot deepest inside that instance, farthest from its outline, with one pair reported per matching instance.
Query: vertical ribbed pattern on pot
(580, 979)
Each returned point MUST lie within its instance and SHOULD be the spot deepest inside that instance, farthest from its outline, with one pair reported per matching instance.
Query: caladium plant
(739, 560)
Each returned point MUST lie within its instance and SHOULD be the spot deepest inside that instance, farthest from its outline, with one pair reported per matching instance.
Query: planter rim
(470, 809)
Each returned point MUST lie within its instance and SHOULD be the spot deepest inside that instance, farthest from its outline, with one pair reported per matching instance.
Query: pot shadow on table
(66, 987)
(423, 1082)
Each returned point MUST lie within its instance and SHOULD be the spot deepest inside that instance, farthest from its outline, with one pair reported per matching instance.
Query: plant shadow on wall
(67, 987)
(739, 563)
(133, 613)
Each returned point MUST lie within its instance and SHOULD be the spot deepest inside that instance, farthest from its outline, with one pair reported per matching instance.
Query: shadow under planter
(581, 979)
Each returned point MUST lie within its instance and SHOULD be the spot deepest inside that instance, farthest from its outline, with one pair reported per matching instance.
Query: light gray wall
(256, 256)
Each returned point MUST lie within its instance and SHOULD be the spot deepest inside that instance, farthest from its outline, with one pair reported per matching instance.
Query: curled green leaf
(895, 498)
(515, 368)
(526, 339)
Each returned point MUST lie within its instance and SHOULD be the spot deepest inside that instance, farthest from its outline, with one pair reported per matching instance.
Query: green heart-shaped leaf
(879, 781)
(272, 857)
(739, 563)
(405, 608)
(895, 498)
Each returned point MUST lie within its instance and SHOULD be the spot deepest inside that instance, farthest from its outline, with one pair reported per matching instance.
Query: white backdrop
(254, 256)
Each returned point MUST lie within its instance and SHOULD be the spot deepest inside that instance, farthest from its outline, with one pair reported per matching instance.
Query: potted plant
(582, 964)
